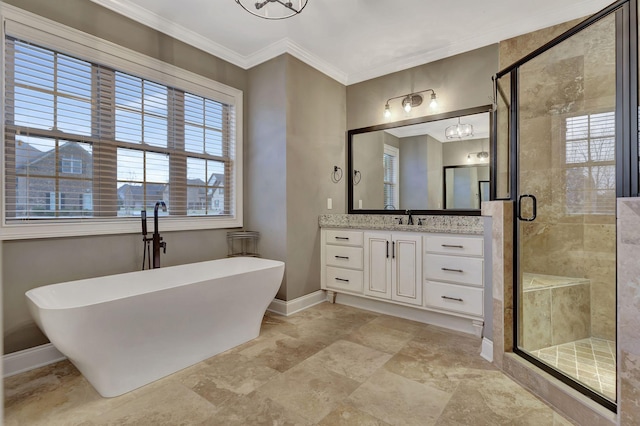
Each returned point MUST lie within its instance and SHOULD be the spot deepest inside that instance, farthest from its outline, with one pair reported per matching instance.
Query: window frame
(60, 38)
(589, 163)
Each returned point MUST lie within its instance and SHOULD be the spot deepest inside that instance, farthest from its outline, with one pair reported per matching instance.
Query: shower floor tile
(592, 361)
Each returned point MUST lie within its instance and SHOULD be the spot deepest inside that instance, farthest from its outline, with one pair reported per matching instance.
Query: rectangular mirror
(403, 166)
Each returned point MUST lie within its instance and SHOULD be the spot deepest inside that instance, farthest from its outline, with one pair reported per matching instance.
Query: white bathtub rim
(95, 286)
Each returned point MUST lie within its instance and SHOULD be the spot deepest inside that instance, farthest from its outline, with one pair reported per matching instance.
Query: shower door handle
(534, 208)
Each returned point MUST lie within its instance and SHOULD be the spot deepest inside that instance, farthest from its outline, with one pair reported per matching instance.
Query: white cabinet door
(377, 265)
(407, 268)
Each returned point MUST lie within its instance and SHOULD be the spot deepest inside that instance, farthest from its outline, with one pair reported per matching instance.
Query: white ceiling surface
(435, 129)
(352, 40)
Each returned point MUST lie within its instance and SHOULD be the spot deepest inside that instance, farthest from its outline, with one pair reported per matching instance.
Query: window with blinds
(590, 171)
(390, 160)
(83, 140)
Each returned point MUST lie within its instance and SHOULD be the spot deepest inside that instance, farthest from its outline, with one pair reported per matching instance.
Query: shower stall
(566, 126)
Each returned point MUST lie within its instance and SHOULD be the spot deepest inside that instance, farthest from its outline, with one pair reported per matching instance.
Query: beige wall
(32, 263)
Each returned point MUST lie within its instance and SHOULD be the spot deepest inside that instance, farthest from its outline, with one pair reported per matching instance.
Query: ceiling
(351, 40)
(435, 129)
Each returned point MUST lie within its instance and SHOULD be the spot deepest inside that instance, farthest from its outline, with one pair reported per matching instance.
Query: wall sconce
(458, 131)
(337, 174)
(481, 156)
(411, 100)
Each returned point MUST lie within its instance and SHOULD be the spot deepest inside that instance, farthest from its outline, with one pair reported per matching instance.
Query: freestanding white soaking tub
(125, 331)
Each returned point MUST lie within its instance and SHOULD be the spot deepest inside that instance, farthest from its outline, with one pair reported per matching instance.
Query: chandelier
(458, 131)
(273, 9)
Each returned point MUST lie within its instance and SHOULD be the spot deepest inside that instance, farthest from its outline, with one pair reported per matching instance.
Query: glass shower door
(566, 222)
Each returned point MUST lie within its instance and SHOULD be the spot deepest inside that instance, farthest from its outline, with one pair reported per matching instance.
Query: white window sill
(49, 229)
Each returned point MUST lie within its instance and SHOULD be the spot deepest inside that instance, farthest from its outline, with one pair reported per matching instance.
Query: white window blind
(87, 141)
(390, 160)
(590, 171)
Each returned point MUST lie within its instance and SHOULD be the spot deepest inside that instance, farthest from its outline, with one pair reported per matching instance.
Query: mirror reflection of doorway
(462, 189)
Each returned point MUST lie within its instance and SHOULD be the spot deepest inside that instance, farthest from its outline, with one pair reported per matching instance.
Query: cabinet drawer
(451, 297)
(347, 257)
(344, 279)
(445, 244)
(464, 270)
(344, 238)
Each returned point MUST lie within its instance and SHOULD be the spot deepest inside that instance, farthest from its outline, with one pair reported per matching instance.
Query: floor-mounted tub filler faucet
(157, 239)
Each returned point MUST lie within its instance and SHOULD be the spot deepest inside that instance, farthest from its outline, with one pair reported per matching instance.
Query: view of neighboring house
(55, 180)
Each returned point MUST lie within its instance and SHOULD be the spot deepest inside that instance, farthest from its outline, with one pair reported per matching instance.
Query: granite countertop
(434, 223)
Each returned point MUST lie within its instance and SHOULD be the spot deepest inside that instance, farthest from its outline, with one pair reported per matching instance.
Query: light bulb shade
(406, 104)
(434, 102)
(273, 9)
(387, 111)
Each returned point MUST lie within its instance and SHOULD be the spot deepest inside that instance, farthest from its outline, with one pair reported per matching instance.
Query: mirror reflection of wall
(402, 167)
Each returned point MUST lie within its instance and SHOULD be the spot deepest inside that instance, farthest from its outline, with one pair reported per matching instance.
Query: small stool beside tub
(243, 243)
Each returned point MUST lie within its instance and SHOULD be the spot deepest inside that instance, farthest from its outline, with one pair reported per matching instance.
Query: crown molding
(166, 26)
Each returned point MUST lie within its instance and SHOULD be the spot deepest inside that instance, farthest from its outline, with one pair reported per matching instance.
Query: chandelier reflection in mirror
(458, 131)
(273, 9)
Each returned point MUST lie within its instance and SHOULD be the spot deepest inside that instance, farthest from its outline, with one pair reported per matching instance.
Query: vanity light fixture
(273, 9)
(410, 101)
(458, 131)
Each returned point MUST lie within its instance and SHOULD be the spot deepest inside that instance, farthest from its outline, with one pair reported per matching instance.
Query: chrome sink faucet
(157, 239)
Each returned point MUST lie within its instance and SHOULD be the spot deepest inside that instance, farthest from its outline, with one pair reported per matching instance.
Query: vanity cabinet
(392, 266)
(454, 272)
(342, 260)
(439, 278)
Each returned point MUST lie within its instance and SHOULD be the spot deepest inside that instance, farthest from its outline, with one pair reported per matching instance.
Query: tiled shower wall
(571, 79)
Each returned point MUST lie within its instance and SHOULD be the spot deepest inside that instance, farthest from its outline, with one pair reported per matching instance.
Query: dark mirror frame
(409, 122)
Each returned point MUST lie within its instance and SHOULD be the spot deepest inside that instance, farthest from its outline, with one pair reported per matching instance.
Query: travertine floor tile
(328, 365)
(347, 415)
(350, 359)
(310, 391)
(379, 337)
(398, 400)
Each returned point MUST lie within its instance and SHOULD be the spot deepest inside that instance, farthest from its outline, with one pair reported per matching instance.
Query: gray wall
(32, 263)
(461, 81)
(265, 160)
(367, 150)
(455, 153)
(420, 173)
(296, 137)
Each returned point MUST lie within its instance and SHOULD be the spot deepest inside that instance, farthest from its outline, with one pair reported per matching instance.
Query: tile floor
(592, 361)
(328, 365)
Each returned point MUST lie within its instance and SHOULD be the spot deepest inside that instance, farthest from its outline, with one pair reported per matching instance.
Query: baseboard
(487, 349)
(28, 359)
(451, 322)
(290, 307)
